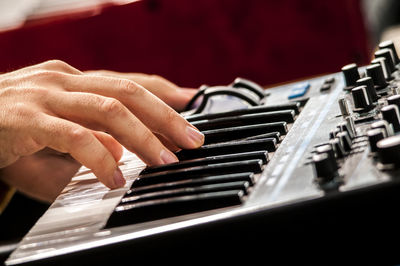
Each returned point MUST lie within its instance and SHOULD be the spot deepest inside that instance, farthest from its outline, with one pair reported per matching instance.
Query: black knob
(376, 73)
(351, 74)
(394, 99)
(391, 114)
(384, 125)
(361, 99)
(390, 45)
(375, 135)
(387, 54)
(345, 140)
(369, 83)
(327, 148)
(333, 133)
(337, 148)
(385, 67)
(325, 167)
(389, 151)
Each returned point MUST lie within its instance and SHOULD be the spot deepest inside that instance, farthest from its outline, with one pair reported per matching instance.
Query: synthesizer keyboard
(315, 160)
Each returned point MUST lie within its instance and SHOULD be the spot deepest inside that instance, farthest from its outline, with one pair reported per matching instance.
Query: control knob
(391, 114)
(375, 135)
(387, 54)
(390, 45)
(375, 71)
(389, 152)
(326, 168)
(351, 75)
(362, 102)
(369, 83)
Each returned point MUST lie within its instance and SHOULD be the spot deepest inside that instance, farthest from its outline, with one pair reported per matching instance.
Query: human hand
(55, 105)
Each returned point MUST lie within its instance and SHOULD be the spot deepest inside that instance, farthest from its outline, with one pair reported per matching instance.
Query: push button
(299, 90)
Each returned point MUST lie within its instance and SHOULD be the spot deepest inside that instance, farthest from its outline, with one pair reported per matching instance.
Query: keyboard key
(237, 185)
(192, 182)
(295, 106)
(268, 144)
(262, 155)
(237, 133)
(163, 208)
(198, 171)
(246, 120)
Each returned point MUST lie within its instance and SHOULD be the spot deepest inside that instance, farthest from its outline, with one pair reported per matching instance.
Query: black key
(199, 181)
(198, 171)
(236, 133)
(268, 144)
(185, 191)
(262, 155)
(252, 110)
(163, 208)
(275, 135)
(276, 123)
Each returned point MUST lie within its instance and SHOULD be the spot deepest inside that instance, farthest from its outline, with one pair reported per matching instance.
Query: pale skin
(53, 119)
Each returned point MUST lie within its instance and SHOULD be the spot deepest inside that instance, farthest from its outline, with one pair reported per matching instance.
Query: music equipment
(306, 168)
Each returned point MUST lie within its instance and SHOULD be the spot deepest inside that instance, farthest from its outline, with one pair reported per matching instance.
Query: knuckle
(129, 88)
(55, 63)
(48, 75)
(79, 137)
(112, 107)
(171, 116)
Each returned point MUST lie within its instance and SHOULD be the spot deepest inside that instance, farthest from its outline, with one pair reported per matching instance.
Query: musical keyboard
(312, 160)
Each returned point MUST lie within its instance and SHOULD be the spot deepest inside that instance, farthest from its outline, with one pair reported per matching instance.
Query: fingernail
(168, 157)
(119, 179)
(195, 136)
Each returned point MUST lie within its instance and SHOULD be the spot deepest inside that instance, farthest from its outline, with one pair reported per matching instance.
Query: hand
(56, 106)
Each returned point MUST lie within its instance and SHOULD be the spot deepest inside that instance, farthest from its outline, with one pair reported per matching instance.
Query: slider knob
(351, 74)
(325, 168)
(361, 99)
(390, 113)
(375, 71)
(389, 151)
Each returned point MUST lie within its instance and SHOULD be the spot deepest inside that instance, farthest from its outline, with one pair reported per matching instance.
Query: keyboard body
(285, 210)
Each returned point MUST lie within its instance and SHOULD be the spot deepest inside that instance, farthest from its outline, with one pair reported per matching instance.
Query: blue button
(299, 90)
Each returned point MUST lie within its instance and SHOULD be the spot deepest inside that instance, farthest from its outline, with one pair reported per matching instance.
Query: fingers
(110, 115)
(82, 145)
(167, 91)
(150, 110)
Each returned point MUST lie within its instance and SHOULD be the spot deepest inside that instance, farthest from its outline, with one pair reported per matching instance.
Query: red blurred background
(199, 42)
